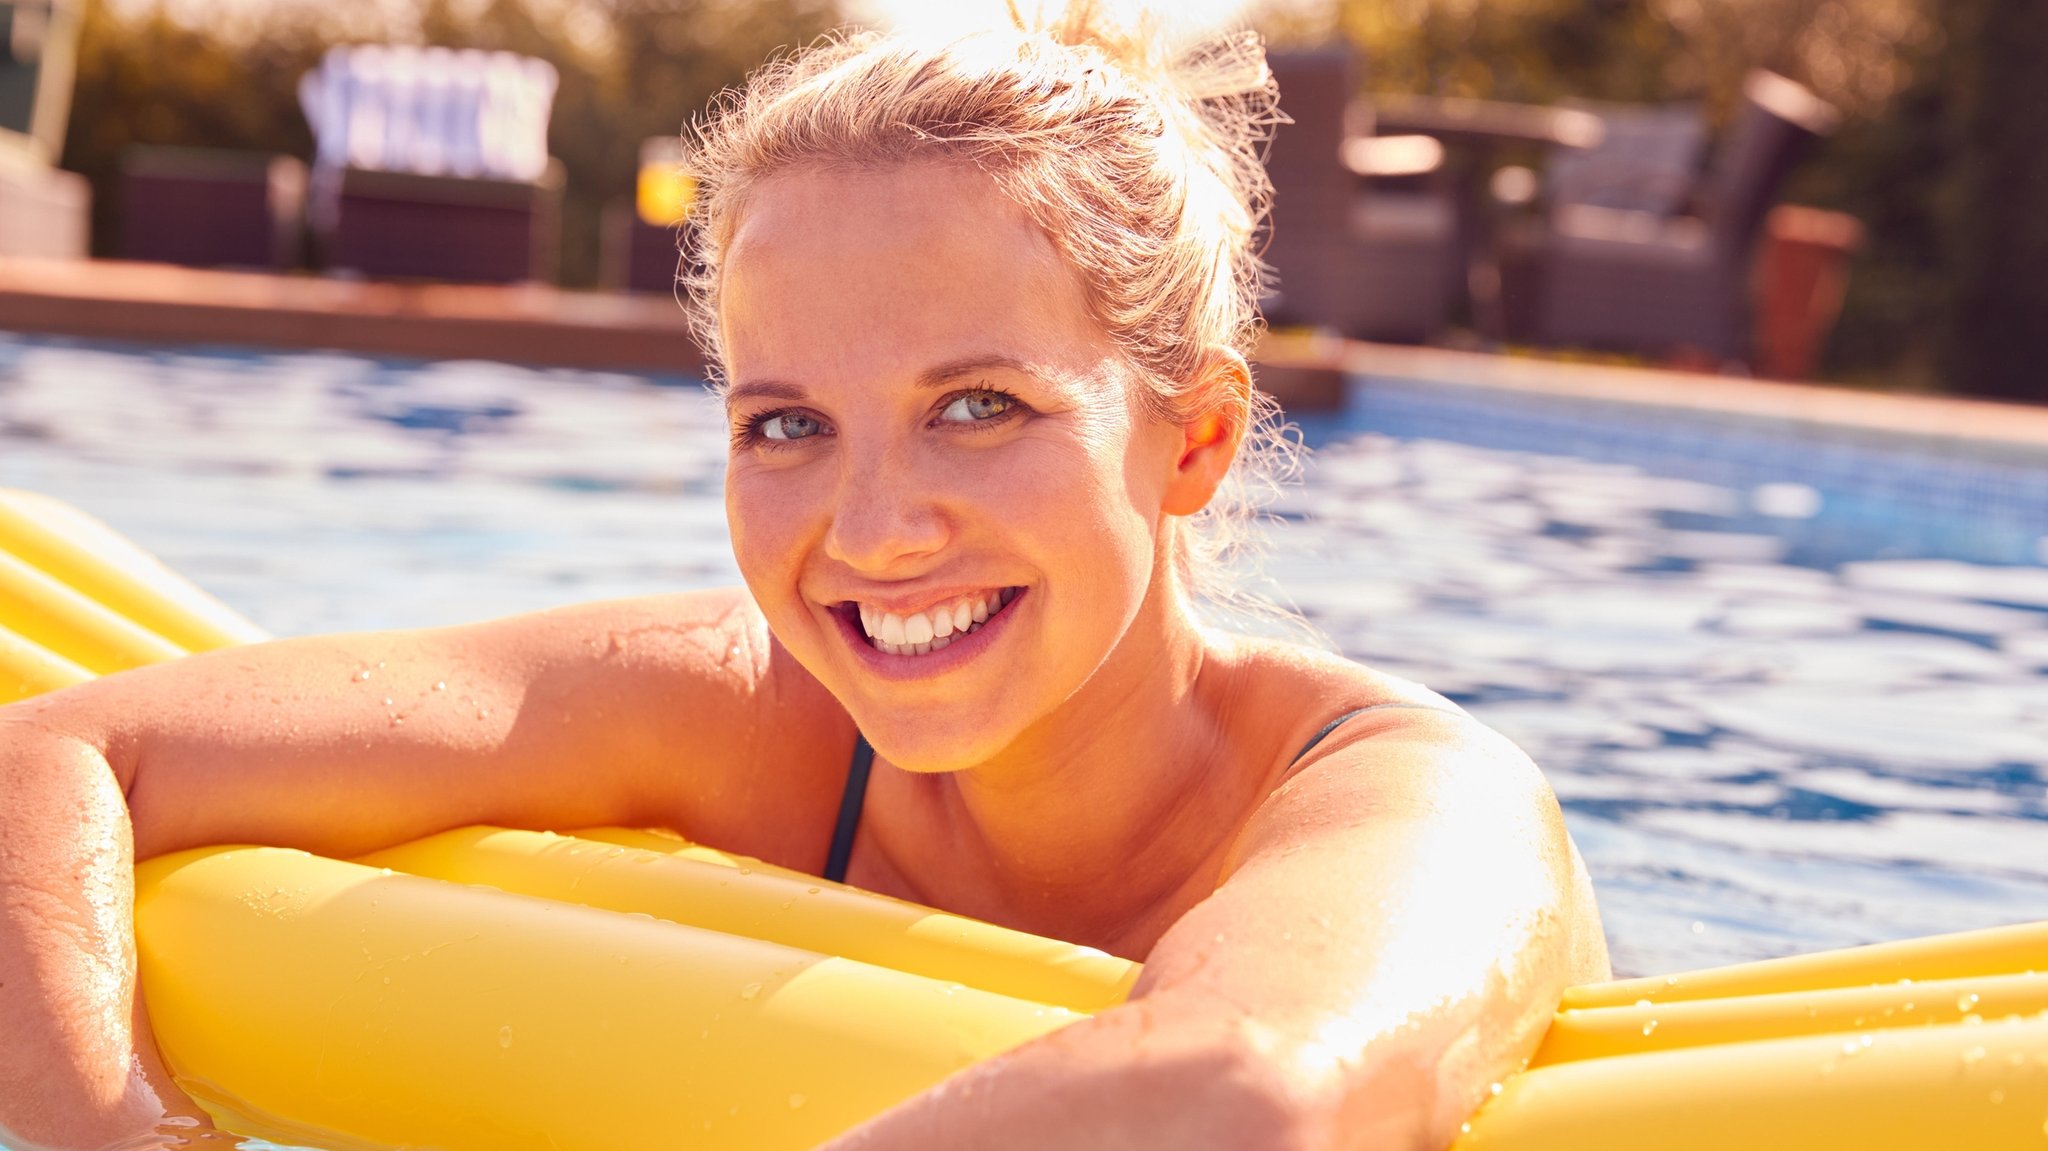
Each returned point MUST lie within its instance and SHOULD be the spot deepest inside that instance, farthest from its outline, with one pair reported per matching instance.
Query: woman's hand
(1395, 927)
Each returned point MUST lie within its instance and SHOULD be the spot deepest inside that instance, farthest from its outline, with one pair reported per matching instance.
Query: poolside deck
(534, 324)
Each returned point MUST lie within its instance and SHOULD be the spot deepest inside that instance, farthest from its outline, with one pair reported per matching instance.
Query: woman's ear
(1211, 436)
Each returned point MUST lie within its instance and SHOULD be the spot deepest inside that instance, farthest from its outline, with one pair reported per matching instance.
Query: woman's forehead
(918, 262)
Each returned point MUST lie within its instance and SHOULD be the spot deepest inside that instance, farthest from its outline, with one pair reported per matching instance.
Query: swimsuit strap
(849, 809)
(1356, 711)
(856, 792)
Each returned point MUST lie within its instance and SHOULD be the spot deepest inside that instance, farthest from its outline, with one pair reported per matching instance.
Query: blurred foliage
(629, 69)
(1943, 153)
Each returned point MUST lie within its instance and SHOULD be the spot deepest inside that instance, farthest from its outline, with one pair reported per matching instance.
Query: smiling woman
(980, 312)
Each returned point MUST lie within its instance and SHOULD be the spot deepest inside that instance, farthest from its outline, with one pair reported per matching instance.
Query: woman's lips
(869, 632)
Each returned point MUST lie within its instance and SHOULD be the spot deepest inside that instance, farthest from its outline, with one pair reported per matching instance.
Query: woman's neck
(1096, 814)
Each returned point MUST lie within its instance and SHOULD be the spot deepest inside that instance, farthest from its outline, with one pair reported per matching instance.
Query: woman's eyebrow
(933, 377)
(946, 373)
(763, 390)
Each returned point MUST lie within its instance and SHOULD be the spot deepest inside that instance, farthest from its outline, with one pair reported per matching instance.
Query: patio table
(1471, 132)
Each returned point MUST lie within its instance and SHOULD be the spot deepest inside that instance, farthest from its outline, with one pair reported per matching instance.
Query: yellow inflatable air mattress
(504, 990)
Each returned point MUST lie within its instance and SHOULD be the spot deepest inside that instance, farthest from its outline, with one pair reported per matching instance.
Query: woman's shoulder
(1298, 691)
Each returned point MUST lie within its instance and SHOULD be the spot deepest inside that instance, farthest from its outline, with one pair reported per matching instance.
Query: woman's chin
(919, 746)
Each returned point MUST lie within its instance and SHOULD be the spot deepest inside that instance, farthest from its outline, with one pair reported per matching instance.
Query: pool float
(492, 988)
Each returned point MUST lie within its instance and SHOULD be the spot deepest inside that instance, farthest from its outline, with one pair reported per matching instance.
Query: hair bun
(1192, 58)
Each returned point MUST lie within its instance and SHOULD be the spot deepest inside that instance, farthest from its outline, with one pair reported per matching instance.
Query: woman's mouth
(933, 629)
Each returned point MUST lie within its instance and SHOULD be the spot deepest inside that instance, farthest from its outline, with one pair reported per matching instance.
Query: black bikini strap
(1357, 711)
(850, 802)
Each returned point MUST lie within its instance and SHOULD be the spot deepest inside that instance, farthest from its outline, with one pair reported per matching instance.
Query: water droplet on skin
(786, 903)
(505, 1036)
(362, 676)
(810, 891)
(1966, 1002)
(387, 701)
(387, 979)
(796, 1101)
(1464, 1129)
(1997, 1095)
(440, 685)
(1650, 1027)
(746, 871)
(750, 990)
(1494, 1090)
(1642, 1003)
(1973, 1056)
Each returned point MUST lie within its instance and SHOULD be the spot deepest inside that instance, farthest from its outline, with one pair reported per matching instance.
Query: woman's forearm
(1145, 1075)
(68, 1070)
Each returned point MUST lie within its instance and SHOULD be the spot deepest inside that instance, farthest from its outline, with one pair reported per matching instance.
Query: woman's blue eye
(790, 426)
(974, 407)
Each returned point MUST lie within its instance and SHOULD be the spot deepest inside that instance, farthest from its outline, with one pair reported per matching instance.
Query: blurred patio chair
(212, 208)
(43, 209)
(432, 163)
(1649, 159)
(1350, 253)
(1639, 280)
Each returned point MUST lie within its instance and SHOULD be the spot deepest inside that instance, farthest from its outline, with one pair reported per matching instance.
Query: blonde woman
(981, 312)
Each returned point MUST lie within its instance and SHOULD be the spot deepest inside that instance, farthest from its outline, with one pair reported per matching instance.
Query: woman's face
(943, 490)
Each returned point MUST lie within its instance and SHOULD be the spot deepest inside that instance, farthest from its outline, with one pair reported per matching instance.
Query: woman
(981, 311)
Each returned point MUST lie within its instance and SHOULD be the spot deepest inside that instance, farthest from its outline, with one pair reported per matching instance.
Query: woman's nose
(886, 514)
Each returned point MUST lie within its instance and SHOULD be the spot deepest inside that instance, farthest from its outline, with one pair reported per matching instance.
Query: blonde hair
(1140, 159)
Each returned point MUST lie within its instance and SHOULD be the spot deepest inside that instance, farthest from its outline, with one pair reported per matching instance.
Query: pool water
(1793, 693)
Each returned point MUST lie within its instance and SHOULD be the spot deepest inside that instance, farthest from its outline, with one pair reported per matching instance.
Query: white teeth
(921, 633)
(917, 628)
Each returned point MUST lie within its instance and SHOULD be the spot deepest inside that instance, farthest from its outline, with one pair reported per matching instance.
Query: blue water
(1792, 689)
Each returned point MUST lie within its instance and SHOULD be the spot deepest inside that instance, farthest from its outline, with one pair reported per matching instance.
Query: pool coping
(522, 323)
(1943, 425)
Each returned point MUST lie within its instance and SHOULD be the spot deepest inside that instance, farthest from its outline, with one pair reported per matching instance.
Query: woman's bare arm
(337, 745)
(1392, 937)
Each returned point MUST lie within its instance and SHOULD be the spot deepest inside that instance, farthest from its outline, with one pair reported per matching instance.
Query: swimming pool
(1793, 694)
